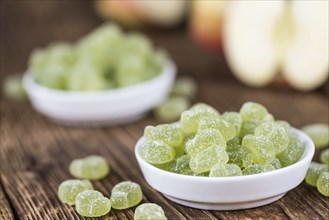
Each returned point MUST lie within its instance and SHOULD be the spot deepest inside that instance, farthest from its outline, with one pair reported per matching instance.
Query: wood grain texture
(35, 152)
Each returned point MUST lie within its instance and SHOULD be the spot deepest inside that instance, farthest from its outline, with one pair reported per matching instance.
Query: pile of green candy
(91, 203)
(207, 143)
(104, 59)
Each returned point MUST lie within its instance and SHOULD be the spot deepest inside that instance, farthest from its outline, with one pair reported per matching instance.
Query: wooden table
(35, 152)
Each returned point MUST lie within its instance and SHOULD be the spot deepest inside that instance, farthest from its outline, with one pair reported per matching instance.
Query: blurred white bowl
(96, 108)
(228, 193)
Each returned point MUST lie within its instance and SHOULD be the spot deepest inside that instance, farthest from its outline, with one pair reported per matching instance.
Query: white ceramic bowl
(115, 106)
(228, 193)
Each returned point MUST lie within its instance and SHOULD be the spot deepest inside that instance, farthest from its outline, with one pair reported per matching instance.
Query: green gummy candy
(292, 153)
(257, 168)
(324, 156)
(219, 170)
(125, 195)
(91, 203)
(184, 86)
(224, 127)
(253, 111)
(248, 127)
(319, 133)
(92, 167)
(323, 184)
(189, 120)
(204, 160)
(240, 156)
(69, 189)
(233, 118)
(14, 89)
(149, 211)
(204, 139)
(172, 108)
(263, 152)
(276, 133)
(166, 133)
(181, 165)
(314, 171)
(276, 163)
(157, 152)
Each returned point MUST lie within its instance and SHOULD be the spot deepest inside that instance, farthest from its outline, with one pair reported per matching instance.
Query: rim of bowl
(33, 87)
(307, 156)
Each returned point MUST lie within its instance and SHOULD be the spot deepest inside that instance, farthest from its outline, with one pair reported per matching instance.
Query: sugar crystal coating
(149, 211)
(314, 171)
(324, 157)
(204, 139)
(276, 163)
(204, 160)
(69, 189)
(323, 184)
(166, 133)
(225, 170)
(292, 153)
(253, 111)
(225, 128)
(157, 152)
(256, 168)
(91, 203)
(234, 118)
(92, 167)
(125, 195)
(240, 156)
(181, 165)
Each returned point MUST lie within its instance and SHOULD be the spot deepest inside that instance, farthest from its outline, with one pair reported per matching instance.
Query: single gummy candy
(185, 87)
(225, 128)
(155, 152)
(69, 189)
(149, 211)
(323, 183)
(125, 195)
(253, 111)
(225, 170)
(314, 171)
(172, 108)
(91, 203)
(319, 133)
(233, 118)
(92, 167)
(166, 133)
(324, 157)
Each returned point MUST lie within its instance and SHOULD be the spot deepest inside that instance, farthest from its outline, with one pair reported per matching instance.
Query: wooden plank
(5, 210)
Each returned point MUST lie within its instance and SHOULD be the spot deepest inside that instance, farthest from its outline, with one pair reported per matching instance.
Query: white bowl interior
(228, 193)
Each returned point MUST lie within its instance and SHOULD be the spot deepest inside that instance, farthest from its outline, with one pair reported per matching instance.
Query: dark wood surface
(35, 152)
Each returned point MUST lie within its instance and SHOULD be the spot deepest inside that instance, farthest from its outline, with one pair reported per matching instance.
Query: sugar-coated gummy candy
(233, 118)
(263, 152)
(155, 152)
(149, 211)
(91, 203)
(292, 153)
(239, 155)
(181, 165)
(166, 133)
(257, 168)
(204, 160)
(319, 133)
(276, 163)
(69, 189)
(248, 127)
(323, 183)
(92, 167)
(225, 128)
(251, 111)
(125, 195)
(185, 87)
(276, 133)
(219, 170)
(13, 88)
(172, 108)
(314, 171)
(189, 120)
(324, 156)
(204, 139)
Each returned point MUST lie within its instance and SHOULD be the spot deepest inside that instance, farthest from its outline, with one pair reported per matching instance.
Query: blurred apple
(206, 22)
(137, 13)
(263, 38)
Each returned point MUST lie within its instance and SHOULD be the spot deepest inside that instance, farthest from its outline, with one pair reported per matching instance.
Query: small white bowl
(96, 108)
(228, 193)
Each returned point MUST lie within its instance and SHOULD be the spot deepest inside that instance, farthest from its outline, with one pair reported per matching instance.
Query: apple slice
(263, 38)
